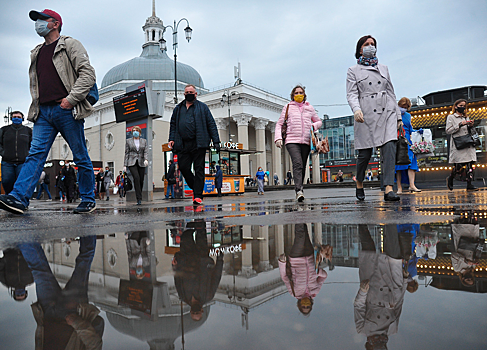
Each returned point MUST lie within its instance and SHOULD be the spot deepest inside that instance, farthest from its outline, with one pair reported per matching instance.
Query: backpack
(47, 180)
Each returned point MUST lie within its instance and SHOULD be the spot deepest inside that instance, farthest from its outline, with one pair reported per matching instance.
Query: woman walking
(260, 175)
(458, 124)
(300, 118)
(136, 154)
(371, 97)
(407, 170)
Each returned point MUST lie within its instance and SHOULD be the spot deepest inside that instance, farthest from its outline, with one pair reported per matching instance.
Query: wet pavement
(239, 272)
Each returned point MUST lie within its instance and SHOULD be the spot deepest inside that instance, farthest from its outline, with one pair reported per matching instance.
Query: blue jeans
(43, 187)
(51, 120)
(170, 191)
(10, 173)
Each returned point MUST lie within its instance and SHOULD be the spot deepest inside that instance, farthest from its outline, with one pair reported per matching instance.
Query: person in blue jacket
(260, 175)
(218, 180)
(407, 173)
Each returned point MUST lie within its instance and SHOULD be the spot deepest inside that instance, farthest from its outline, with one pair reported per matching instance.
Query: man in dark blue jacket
(192, 129)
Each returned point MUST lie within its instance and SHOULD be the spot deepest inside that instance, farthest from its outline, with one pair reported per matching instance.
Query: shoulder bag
(464, 141)
(402, 148)
(284, 126)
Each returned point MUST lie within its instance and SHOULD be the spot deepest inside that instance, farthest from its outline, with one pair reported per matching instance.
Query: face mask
(369, 51)
(190, 97)
(298, 98)
(403, 110)
(136, 134)
(41, 27)
(460, 109)
(17, 121)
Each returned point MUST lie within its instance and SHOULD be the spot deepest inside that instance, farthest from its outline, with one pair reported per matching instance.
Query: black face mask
(460, 109)
(190, 97)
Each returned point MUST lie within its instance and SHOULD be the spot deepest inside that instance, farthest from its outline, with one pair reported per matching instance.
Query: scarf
(368, 61)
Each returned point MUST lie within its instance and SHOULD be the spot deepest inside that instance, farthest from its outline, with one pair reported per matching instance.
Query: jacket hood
(217, 167)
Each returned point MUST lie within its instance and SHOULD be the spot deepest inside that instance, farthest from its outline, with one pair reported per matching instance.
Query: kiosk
(228, 158)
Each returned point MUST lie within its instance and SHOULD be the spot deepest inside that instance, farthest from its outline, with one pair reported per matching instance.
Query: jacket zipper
(16, 149)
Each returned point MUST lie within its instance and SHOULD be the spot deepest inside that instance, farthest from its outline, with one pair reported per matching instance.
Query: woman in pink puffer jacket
(299, 272)
(301, 118)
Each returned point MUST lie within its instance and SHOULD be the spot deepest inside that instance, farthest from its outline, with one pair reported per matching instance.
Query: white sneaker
(300, 196)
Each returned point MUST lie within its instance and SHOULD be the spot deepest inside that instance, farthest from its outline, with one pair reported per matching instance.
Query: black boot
(449, 182)
(471, 187)
(360, 194)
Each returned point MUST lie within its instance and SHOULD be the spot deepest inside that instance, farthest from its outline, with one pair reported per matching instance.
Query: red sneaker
(197, 201)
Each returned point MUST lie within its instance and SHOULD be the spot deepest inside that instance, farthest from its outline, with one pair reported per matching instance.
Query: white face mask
(41, 27)
(369, 51)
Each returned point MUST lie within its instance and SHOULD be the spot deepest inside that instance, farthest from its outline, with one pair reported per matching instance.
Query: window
(111, 166)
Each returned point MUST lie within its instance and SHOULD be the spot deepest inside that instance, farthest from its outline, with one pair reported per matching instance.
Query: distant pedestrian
(340, 176)
(107, 180)
(267, 177)
(171, 180)
(410, 169)
(119, 182)
(276, 179)
(192, 128)
(136, 159)
(43, 185)
(61, 78)
(259, 176)
(458, 124)
(70, 182)
(301, 119)
(60, 185)
(15, 140)
(289, 177)
(219, 180)
(371, 97)
(100, 186)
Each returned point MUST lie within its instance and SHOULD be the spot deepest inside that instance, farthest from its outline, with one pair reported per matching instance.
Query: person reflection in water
(196, 275)
(383, 283)
(468, 249)
(300, 271)
(138, 252)
(65, 319)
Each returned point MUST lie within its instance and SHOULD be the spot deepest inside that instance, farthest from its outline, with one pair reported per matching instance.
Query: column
(279, 239)
(318, 233)
(316, 175)
(247, 268)
(243, 121)
(259, 125)
(276, 156)
(264, 264)
(222, 125)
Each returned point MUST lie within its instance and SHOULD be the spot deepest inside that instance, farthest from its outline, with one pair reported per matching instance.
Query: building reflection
(132, 277)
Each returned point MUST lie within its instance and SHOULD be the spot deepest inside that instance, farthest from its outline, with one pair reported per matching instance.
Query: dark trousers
(457, 168)
(70, 190)
(302, 244)
(219, 190)
(195, 157)
(387, 159)
(138, 173)
(299, 156)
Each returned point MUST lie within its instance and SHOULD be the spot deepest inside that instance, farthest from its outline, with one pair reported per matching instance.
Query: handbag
(284, 126)
(402, 148)
(464, 141)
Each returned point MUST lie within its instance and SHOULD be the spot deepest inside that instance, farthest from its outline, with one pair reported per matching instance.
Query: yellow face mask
(298, 98)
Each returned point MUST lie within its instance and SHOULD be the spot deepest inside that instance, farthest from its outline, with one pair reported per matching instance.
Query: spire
(153, 28)
(153, 8)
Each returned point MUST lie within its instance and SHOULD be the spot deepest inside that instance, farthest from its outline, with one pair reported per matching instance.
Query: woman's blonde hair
(405, 102)
(137, 128)
(456, 103)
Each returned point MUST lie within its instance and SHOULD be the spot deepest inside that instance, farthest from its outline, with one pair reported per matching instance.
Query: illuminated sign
(236, 248)
(131, 105)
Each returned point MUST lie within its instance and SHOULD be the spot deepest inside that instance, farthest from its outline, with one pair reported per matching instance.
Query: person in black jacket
(196, 275)
(171, 180)
(15, 273)
(70, 182)
(192, 128)
(15, 142)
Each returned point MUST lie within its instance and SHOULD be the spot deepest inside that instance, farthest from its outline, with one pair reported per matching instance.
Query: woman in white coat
(371, 97)
(458, 124)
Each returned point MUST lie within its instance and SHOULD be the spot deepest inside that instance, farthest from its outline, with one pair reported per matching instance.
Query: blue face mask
(41, 28)
(17, 121)
(136, 134)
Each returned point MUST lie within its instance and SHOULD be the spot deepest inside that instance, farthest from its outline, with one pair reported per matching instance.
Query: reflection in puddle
(157, 287)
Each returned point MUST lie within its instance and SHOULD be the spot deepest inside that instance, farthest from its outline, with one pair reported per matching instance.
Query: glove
(279, 143)
(146, 162)
(359, 116)
(399, 124)
(124, 169)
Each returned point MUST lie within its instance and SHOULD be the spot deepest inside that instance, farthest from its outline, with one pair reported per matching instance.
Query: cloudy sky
(428, 45)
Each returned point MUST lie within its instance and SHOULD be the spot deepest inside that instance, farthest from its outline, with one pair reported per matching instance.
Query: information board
(132, 105)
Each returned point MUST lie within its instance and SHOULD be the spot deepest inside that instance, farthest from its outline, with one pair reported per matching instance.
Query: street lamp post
(162, 45)
(8, 112)
(227, 98)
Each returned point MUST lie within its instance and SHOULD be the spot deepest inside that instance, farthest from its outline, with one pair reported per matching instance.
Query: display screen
(131, 105)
